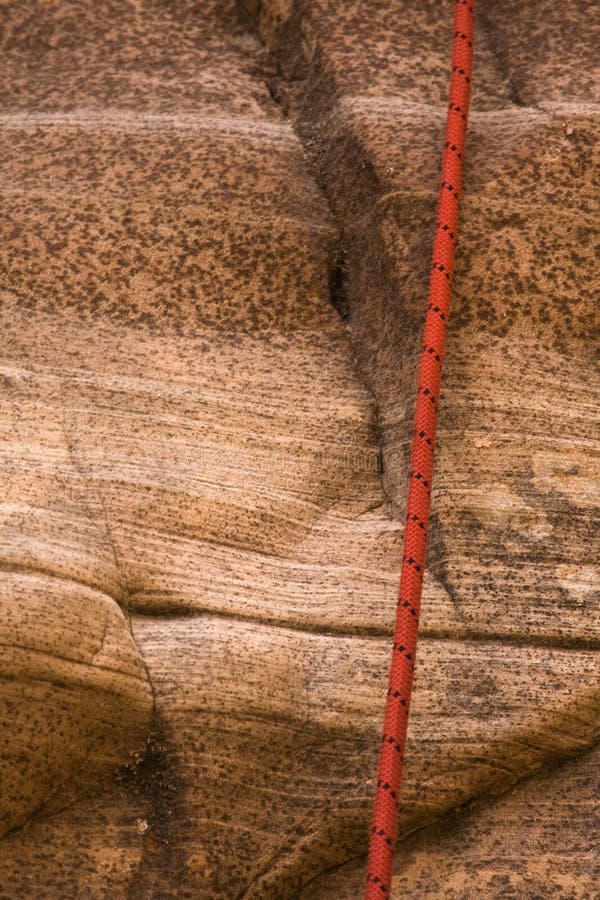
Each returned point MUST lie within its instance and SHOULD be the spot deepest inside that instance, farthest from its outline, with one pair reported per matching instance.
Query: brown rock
(537, 840)
(198, 553)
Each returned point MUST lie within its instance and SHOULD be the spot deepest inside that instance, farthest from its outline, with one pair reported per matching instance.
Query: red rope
(385, 815)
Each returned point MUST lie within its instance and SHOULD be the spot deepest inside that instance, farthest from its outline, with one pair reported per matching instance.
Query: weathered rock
(517, 475)
(275, 733)
(74, 693)
(536, 841)
(189, 438)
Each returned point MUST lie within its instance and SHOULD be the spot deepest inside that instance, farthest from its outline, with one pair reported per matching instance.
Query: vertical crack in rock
(499, 48)
(154, 778)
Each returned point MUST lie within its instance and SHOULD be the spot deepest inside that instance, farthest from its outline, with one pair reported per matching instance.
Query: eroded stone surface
(74, 694)
(185, 434)
(538, 840)
(290, 726)
(518, 457)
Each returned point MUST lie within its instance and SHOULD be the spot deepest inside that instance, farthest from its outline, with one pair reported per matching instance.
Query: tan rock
(198, 554)
(536, 840)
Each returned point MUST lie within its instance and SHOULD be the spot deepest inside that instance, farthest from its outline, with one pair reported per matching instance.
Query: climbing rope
(393, 742)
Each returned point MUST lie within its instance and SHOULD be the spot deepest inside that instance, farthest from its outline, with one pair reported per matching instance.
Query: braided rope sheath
(385, 815)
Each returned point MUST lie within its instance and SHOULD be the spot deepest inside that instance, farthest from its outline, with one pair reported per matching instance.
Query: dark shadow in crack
(154, 778)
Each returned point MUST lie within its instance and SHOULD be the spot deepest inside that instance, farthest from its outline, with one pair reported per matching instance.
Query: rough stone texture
(536, 841)
(74, 692)
(194, 517)
(290, 723)
(518, 466)
(515, 497)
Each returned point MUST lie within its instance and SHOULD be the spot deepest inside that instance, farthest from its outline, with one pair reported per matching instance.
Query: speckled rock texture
(538, 840)
(203, 461)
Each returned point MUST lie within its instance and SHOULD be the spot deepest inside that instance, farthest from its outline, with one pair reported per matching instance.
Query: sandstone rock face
(199, 548)
(484, 852)
(75, 694)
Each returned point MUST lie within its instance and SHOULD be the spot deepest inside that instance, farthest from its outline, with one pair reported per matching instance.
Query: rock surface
(199, 550)
(538, 840)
